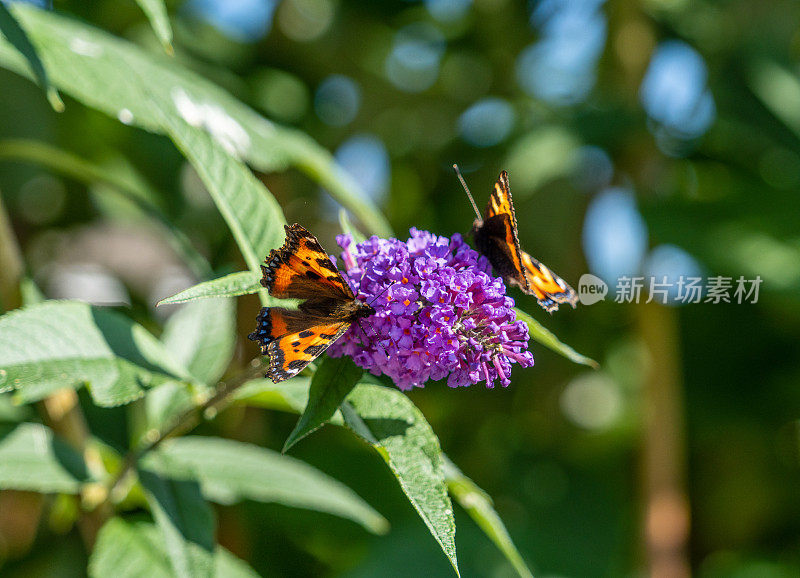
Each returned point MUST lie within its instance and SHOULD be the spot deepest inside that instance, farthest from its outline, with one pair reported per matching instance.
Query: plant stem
(10, 264)
(189, 419)
(667, 520)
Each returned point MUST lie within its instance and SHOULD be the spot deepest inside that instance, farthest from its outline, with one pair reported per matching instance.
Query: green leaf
(30, 292)
(290, 396)
(779, 90)
(32, 459)
(320, 165)
(479, 506)
(233, 285)
(230, 471)
(156, 13)
(388, 420)
(348, 228)
(332, 381)
(16, 36)
(544, 336)
(252, 213)
(165, 402)
(201, 337)
(13, 413)
(59, 344)
(114, 76)
(134, 549)
(185, 519)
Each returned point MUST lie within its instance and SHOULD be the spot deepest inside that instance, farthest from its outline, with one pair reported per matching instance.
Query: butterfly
(293, 338)
(496, 237)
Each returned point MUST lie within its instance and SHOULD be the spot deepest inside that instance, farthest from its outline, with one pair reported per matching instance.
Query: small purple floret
(439, 313)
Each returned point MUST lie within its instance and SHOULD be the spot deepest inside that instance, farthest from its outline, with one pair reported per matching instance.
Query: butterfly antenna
(382, 292)
(377, 338)
(364, 333)
(466, 190)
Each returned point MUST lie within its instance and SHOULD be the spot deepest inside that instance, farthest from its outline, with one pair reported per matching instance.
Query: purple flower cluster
(438, 313)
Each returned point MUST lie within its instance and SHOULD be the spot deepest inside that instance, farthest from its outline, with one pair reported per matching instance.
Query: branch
(189, 419)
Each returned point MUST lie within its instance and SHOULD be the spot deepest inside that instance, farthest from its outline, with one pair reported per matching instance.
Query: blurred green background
(652, 137)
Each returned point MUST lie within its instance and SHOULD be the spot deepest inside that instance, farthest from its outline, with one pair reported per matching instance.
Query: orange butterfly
(496, 237)
(293, 338)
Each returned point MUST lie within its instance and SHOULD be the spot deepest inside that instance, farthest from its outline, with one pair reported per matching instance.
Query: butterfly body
(301, 269)
(497, 238)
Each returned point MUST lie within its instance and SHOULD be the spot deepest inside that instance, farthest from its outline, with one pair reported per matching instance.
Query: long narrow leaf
(233, 285)
(540, 333)
(292, 396)
(14, 34)
(779, 89)
(156, 13)
(96, 69)
(229, 471)
(479, 506)
(186, 522)
(252, 213)
(388, 420)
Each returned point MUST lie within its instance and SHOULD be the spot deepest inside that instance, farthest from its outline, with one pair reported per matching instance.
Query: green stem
(11, 266)
(322, 168)
(189, 419)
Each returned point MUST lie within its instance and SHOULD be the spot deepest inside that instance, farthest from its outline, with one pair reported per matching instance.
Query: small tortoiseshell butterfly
(496, 237)
(301, 269)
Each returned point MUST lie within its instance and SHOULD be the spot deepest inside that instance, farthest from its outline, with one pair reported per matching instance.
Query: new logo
(591, 289)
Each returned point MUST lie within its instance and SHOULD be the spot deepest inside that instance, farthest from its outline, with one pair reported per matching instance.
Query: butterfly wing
(497, 237)
(292, 339)
(548, 288)
(301, 269)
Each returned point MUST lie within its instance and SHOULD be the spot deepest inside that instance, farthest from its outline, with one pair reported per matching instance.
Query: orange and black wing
(301, 269)
(293, 339)
(548, 288)
(497, 238)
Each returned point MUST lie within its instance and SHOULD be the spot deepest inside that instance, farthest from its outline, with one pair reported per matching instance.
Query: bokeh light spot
(614, 235)
(448, 10)
(594, 168)
(560, 68)
(668, 263)
(413, 63)
(42, 199)
(337, 100)
(365, 158)
(242, 20)
(305, 20)
(487, 122)
(675, 96)
(592, 401)
(283, 96)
